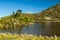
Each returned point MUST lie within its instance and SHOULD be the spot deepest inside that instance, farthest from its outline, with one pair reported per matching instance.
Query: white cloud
(28, 12)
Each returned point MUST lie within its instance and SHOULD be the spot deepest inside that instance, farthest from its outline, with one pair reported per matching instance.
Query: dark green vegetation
(19, 19)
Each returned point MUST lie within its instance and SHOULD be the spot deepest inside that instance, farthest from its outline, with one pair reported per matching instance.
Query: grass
(9, 36)
(10, 22)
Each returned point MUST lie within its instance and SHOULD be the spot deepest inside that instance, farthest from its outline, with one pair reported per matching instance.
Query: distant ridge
(52, 12)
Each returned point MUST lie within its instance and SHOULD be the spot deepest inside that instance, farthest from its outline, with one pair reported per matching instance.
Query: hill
(16, 20)
(52, 13)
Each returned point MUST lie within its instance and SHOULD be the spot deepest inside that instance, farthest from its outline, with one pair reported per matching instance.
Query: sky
(32, 6)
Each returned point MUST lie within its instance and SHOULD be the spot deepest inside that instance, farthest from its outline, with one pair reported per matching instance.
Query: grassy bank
(8, 36)
(10, 22)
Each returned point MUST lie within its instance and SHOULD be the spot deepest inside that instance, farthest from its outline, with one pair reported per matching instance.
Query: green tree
(18, 12)
(27, 19)
(13, 14)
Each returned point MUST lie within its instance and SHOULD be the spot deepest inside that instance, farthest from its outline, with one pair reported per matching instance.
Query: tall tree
(13, 14)
(18, 12)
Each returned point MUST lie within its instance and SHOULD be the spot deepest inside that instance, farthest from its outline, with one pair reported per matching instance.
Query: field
(9, 36)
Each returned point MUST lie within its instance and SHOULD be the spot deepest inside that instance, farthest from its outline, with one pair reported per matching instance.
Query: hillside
(16, 20)
(52, 13)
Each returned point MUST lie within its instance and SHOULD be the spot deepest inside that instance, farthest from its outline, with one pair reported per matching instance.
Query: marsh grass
(9, 36)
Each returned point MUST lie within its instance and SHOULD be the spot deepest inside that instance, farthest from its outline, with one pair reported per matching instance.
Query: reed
(9, 36)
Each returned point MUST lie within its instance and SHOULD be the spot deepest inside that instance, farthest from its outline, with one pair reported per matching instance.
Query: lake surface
(44, 28)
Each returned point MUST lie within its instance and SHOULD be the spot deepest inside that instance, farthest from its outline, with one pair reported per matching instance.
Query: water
(44, 28)
(47, 29)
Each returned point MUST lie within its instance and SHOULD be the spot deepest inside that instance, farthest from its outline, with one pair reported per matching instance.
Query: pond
(43, 28)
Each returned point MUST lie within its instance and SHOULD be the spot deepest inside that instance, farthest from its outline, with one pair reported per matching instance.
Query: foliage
(18, 13)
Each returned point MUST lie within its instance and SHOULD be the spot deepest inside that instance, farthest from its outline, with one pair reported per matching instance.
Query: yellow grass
(9, 36)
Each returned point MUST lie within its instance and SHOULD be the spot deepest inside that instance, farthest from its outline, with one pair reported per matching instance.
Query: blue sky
(34, 6)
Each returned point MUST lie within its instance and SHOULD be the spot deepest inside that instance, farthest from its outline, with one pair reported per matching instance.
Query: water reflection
(54, 28)
(32, 29)
(43, 28)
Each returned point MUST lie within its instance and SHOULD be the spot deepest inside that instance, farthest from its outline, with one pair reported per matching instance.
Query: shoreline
(49, 21)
